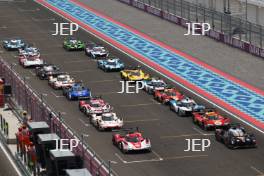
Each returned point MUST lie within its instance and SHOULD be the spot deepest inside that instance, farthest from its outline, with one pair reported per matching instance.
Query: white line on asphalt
(28, 10)
(120, 158)
(256, 170)
(155, 153)
(136, 161)
(184, 135)
(81, 71)
(85, 124)
(75, 61)
(154, 101)
(38, 19)
(181, 85)
(10, 159)
(202, 133)
(141, 120)
(3, 27)
(57, 96)
(183, 157)
(135, 105)
(103, 81)
(32, 73)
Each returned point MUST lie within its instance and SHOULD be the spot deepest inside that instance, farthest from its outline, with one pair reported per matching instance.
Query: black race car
(235, 136)
(47, 70)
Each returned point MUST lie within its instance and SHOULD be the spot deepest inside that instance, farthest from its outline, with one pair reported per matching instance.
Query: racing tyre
(122, 149)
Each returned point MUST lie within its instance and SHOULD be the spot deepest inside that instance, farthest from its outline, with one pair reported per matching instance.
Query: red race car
(95, 105)
(209, 118)
(164, 96)
(131, 141)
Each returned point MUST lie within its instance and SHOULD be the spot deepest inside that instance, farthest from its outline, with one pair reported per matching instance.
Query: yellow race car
(134, 75)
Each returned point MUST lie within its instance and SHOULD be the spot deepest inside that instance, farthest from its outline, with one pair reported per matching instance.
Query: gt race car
(47, 70)
(95, 105)
(61, 81)
(135, 74)
(234, 136)
(95, 51)
(209, 118)
(30, 61)
(73, 44)
(154, 84)
(185, 106)
(106, 121)
(131, 141)
(13, 44)
(29, 51)
(113, 64)
(167, 94)
(76, 91)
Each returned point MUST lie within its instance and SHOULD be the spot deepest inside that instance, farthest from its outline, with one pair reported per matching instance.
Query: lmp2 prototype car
(95, 105)
(113, 64)
(209, 118)
(73, 44)
(154, 84)
(234, 136)
(29, 51)
(131, 141)
(106, 121)
(76, 91)
(167, 94)
(13, 44)
(185, 106)
(61, 81)
(47, 70)
(30, 61)
(135, 74)
(95, 51)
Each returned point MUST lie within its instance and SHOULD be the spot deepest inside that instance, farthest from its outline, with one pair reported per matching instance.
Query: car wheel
(122, 149)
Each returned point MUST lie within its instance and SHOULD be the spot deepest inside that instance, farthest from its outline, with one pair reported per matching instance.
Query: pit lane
(156, 121)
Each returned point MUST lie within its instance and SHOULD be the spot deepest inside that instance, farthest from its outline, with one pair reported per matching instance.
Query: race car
(209, 118)
(131, 141)
(29, 51)
(167, 94)
(95, 51)
(73, 44)
(185, 106)
(234, 136)
(13, 44)
(30, 61)
(47, 70)
(95, 105)
(76, 91)
(106, 121)
(135, 74)
(61, 81)
(113, 64)
(154, 84)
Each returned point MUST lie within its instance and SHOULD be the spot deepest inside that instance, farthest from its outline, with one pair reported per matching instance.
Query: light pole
(109, 166)
(82, 141)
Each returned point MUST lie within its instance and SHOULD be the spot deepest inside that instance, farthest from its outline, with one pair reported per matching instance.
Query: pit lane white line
(140, 161)
(28, 10)
(185, 135)
(183, 157)
(199, 131)
(81, 71)
(141, 120)
(75, 61)
(258, 171)
(55, 95)
(135, 105)
(84, 123)
(181, 85)
(3, 27)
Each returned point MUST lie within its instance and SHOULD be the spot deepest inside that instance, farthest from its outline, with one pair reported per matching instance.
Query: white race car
(61, 81)
(31, 51)
(154, 84)
(30, 61)
(96, 51)
(106, 121)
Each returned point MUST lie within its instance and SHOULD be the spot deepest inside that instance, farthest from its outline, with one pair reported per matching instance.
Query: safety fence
(230, 30)
(24, 97)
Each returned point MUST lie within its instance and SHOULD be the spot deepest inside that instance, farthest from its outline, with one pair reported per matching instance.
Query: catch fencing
(24, 97)
(233, 31)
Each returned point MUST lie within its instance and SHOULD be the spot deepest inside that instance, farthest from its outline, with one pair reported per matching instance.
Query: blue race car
(77, 91)
(113, 64)
(13, 44)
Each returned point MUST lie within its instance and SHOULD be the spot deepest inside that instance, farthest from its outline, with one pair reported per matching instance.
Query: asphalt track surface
(6, 169)
(166, 130)
(241, 65)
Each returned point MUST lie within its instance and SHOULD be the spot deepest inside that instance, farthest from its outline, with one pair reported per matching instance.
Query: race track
(166, 130)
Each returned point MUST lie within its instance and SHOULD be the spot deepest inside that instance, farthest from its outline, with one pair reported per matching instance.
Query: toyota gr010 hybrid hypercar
(106, 121)
(47, 70)
(95, 51)
(113, 64)
(185, 106)
(73, 44)
(76, 91)
(95, 105)
(209, 118)
(30, 61)
(134, 74)
(61, 81)
(29, 51)
(131, 141)
(235, 136)
(13, 44)
(154, 84)
(164, 96)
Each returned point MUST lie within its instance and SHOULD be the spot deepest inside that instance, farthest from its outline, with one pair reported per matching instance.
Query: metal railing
(24, 96)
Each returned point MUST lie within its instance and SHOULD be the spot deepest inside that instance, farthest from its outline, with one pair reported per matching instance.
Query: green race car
(71, 44)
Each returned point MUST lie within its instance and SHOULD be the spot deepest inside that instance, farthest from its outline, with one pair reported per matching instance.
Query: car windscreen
(158, 84)
(135, 73)
(98, 49)
(189, 104)
(132, 139)
(107, 118)
(79, 88)
(62, 78)
(212, 117)
(171, 93)
(95, 105)
(14, 42)
(111, 63)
